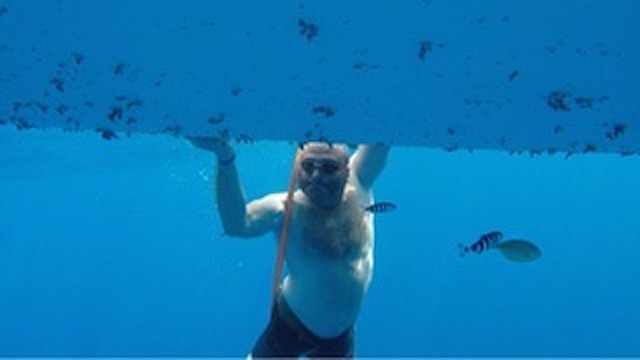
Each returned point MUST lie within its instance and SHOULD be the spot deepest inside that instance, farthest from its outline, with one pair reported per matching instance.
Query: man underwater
(330, 243)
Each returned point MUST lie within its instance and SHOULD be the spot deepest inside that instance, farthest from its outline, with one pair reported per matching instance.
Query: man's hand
(217, 145)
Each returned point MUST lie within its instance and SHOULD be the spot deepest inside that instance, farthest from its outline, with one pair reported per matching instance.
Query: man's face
(322, 174)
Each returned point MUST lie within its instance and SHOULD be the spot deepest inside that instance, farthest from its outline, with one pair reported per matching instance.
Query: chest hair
(337, 233)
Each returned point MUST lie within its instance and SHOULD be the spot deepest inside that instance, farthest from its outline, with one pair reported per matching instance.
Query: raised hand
(215, 144)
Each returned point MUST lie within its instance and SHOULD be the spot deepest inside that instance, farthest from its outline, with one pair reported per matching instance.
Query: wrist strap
(228, 161)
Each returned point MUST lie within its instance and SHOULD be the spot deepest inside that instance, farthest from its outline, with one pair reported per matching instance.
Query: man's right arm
(230, 198)
(239, 218)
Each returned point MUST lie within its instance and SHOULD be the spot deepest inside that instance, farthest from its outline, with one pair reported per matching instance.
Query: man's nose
(315, 172)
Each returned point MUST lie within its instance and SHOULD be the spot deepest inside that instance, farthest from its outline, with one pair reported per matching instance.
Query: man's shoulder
(276, 199)
(270, 203)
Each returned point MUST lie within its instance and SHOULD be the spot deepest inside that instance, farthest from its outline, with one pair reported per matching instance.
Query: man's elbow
(235, 230)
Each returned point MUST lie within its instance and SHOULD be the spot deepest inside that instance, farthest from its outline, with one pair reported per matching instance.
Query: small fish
(519, 250)
(486, 241)
(516, 250)
(380, 207)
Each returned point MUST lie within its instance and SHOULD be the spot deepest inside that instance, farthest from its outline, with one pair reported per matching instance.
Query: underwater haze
(115, 249)
(111, 246)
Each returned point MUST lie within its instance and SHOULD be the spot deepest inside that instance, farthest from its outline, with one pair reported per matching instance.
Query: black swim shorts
(286, 336)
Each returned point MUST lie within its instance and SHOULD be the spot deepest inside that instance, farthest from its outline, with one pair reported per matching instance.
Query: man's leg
(279, 340)
(339, 347)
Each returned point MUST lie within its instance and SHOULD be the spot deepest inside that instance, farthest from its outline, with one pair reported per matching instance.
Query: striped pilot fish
(514, 250)
(486, 241)
(380, 207)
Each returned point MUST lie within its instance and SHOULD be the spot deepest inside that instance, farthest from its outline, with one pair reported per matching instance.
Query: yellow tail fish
(516, 250)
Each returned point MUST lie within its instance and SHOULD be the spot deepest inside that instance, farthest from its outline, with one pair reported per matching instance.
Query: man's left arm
(368, 161)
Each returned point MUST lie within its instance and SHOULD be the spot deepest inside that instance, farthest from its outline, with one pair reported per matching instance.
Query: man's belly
(327, 297)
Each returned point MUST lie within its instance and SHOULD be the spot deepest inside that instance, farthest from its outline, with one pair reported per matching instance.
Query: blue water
(114, 248)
